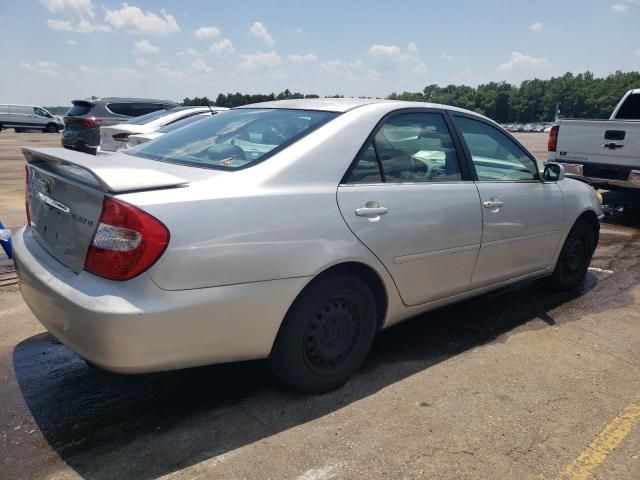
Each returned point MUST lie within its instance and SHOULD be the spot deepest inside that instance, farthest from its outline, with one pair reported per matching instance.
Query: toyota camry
(290, 230)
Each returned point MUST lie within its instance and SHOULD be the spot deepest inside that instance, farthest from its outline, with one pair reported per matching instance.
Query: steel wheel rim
(331, 334)
(574, 256)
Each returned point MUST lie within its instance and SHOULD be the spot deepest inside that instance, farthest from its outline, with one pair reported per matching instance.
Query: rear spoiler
(111, 174)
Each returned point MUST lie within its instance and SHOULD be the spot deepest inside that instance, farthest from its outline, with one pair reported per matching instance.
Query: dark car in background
(85, 117)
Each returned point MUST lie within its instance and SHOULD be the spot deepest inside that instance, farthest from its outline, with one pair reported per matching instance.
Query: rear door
(522, 216)
(409, 199)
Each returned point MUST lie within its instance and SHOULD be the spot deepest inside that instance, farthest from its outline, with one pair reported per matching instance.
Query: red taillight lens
(91, 122)
(128, 241)
(26, 193)
(122, 137)
(552, 143)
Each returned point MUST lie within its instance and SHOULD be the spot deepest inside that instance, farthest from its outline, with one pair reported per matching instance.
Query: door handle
(612, 145)
(371, 211)
(493, 204)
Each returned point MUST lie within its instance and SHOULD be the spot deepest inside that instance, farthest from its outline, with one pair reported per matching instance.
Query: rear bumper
(631, 180)
(78, 146)
(134, 326)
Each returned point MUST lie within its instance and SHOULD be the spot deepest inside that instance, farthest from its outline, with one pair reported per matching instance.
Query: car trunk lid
(65, 193)
(116, 137)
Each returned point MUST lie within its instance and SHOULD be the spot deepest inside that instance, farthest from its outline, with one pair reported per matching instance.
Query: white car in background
(140, 138)
(116, 137)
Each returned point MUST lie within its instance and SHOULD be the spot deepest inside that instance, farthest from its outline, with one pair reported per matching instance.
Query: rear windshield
(79, 109)
(183, 122)
(630, 109)
(234, 139)
(149, 117)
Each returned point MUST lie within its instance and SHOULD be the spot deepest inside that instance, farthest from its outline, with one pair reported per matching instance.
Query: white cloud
(81, 25)
(192, 52)
(341, 69)
(127, 74)
(144, 47)
(136, 20)
(164, 69)
(308, 58)
(258, 60)
(200, 65)
(258, 30)
(207, 32)
(392, 53)
(448, 58)
(421, 69)
(522, 61)
(223, 46)
(385, 51)
(88, 70)
(80, 6)
(619, 7)
(142, 62)
(537, 27)
(73, 43)
(43, 68)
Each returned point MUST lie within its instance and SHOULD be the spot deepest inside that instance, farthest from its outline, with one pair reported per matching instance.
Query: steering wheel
(225, 151)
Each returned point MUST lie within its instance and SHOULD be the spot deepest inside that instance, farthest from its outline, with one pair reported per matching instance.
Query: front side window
(41, 112)
(495, 156)
(410, 147)
(234, 139)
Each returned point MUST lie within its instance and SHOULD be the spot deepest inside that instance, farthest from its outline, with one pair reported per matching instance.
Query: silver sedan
(291, 230)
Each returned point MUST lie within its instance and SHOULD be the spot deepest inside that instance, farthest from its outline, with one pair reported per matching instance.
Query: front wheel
(326, 334)
(575, 257)
(51, 128)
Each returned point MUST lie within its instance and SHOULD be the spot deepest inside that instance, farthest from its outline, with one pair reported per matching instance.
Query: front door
(522, 216)
(407, 201)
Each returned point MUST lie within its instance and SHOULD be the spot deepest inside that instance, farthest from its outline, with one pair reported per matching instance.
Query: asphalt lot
(521, 383)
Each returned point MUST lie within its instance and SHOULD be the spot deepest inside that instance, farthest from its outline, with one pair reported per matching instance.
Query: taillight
(128, 241)
(90, 122)
(552, 143)
(26, 193)
(122, 137)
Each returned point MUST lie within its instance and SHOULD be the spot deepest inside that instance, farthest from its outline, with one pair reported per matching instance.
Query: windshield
(234, 139)
(149, 117)
(182, 122)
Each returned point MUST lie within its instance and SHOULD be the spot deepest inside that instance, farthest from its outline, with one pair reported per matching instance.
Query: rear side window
(235, 139)
(79, 109)
(630, 109)
(138, 109)
(411, 147)
(120, 109)
(149, 117)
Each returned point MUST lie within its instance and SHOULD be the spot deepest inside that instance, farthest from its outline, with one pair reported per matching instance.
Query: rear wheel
(326, 335)
(575, 257)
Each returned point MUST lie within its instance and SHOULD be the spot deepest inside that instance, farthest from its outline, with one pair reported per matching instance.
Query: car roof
(122, 99)
(341, 105)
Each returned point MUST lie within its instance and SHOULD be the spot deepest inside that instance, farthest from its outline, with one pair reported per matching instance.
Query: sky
(53, 51)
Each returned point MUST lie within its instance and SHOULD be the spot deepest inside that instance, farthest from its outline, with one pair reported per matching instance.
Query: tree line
(580, 96)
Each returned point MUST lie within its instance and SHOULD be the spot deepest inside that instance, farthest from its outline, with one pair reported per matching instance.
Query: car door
(40, 117)
(409, 200)
(522, 216)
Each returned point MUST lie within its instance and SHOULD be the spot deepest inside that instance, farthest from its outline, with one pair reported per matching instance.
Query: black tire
(326, 334)
(51, 128)
(18, 130)
(574, 258)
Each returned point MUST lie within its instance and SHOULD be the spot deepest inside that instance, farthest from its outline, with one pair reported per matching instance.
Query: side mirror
(553, 172)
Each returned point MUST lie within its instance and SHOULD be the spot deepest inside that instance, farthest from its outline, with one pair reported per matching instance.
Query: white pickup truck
(604, 152)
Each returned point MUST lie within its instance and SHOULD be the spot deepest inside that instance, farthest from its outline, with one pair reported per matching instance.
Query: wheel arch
(365, 272)
(592, 218)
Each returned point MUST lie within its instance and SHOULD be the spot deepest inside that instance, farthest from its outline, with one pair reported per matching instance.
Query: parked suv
(85, 117)
(23, 117)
